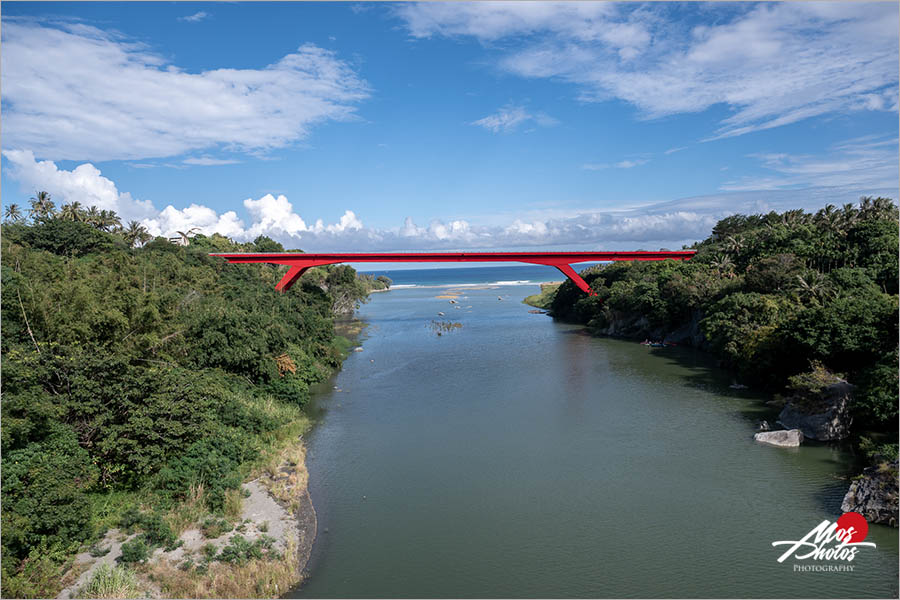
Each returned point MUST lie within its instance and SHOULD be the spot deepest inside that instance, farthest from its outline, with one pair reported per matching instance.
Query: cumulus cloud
(83, 184)
(667, 224)
(510, 117)
(87, 94)
(771, 64)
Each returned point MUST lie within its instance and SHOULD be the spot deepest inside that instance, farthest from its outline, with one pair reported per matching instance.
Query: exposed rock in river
(823, 417)
(785, 438)
(874, 495)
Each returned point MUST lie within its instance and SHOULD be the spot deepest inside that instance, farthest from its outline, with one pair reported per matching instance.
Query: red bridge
(299, 262)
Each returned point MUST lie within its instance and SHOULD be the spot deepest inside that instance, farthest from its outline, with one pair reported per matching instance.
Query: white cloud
(83, 184)
(197, 16)
(208, 161)
(622, 164)
(87, 94)
(667, 224)
(772, 63)
(862, 163)
(510, 117)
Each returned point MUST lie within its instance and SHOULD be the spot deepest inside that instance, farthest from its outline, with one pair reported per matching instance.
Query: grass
(545, 298)
(112, 582)
(256, 578)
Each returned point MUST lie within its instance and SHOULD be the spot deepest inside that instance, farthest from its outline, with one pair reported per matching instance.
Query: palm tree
(135, 234)
(13, 213)
(184, 240)
(723, 266)
(814, 286)
(72, 212)
(108, 220)
(734, 244)
(42, 206)
(92, 216)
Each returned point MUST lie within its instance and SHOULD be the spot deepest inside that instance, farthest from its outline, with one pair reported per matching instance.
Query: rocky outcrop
(784, 438)
(874, 495)
(637, 326)
(824, 417)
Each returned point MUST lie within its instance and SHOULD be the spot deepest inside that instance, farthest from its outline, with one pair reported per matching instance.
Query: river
(518, 457)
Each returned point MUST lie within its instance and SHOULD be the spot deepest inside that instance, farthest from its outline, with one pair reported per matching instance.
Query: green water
(517, 457)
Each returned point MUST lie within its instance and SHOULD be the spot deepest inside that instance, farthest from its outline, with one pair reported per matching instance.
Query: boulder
(785, 438)
(874, 494)
(825, 417)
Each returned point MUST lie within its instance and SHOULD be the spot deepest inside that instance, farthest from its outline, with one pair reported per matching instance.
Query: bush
(135, 551)
(44, 500)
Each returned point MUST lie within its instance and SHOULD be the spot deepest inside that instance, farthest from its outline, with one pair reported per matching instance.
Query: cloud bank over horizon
(662, 224)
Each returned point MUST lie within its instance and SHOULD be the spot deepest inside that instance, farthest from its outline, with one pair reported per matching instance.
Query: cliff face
(637, 326)
(826, 417)
(874, 495)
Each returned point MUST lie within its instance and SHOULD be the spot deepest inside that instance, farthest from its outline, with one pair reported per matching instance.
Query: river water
(517, 457)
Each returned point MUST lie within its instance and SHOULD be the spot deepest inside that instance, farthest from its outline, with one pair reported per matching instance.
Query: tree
(42, 207)
(136, 234)
(108, 220)
(13, 213)
(72, 212)
(92, 216)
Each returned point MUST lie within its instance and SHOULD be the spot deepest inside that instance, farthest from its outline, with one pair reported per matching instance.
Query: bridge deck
(299, 262)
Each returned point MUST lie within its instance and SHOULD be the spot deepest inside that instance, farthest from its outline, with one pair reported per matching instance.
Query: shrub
(44, 498)
(135, 551)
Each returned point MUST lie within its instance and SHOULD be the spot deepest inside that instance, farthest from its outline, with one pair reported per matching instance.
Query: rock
(784, 438)
(825, 417)
(358, 349)
(874, 495)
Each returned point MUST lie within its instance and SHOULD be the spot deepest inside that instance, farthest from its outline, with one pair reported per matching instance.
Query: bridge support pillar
(290, 278)
(569, 272)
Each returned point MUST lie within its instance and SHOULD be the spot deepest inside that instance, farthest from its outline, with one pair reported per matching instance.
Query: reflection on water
(520, 457)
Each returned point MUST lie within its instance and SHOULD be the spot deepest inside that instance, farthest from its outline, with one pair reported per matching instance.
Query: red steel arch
(299, 262)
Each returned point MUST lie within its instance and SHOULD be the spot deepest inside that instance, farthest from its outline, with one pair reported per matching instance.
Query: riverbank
(545, 298)
(258, 550)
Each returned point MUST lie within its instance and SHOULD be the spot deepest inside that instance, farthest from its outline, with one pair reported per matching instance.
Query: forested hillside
(783, 299)
(141, 376)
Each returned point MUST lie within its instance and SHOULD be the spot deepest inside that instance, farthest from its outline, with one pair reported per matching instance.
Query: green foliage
(44, 500)
(135, 551)
(111, 582)
(38, 575)
(772, 293)
(137, 372)
(240, 550)
(68, 238)
(213, 527)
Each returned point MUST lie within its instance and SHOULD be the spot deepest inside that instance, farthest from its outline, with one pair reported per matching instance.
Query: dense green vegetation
(775, 296)
(142, 376)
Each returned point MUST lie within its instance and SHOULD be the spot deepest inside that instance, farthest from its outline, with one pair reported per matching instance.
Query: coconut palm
(108, 220)
(723, 266)
(92, 216)
(135, 234)
(734, 244)
(71, 212)
(13, 213)
(42, 206)
(814, 286)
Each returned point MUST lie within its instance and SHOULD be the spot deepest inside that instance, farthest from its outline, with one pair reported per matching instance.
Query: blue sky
(357, 127)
